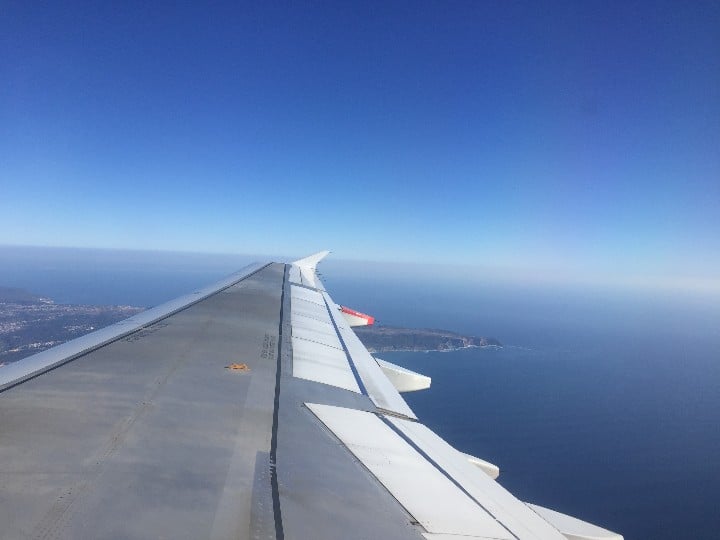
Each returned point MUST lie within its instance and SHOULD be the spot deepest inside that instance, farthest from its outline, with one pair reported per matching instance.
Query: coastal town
(30, 324)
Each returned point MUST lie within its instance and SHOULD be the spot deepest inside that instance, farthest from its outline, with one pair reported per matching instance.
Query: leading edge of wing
(32, 366)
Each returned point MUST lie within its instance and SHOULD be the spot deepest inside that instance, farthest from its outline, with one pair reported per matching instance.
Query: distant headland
(392, 338)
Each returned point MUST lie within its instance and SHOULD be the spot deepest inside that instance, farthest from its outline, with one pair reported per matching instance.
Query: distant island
(392, 338)
(30, 324)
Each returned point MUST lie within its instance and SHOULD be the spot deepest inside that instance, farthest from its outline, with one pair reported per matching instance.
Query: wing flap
(309, 295)
(320, 363)
(499, 502)
(378, 386)
(573, 528)
(309, 309)
(425, 492)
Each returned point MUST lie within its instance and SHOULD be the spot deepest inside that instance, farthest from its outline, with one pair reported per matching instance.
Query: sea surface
(603, 404)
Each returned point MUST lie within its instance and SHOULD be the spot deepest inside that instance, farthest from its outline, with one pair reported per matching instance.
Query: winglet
(311, 261)
(307, 269)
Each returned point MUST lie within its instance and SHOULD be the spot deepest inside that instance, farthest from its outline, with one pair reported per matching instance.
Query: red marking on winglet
(369, 318)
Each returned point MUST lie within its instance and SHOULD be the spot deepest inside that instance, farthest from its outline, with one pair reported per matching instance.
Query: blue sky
(567, 140)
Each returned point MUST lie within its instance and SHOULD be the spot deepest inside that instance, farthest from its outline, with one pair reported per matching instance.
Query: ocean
(602, 404)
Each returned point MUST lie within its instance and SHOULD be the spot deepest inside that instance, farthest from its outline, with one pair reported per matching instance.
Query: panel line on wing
(307, 287)
(308, 309)
(379, 388)
(275, 488)
(355, 373)
(309, 295)
(329, 340)
(317, 362)
(498, 501)
(294, 274)
(418, 485)
(445, 473)
(318, 352)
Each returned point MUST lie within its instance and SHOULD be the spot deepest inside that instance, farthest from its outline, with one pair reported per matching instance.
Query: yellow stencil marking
(238, 367)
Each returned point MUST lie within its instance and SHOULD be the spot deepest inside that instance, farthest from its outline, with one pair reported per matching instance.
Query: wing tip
(311, 261)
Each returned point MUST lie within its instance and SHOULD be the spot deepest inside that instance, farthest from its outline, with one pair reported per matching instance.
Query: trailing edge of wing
(574, 528)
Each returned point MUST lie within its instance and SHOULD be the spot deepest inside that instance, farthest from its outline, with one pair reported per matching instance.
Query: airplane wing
(248, 409)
